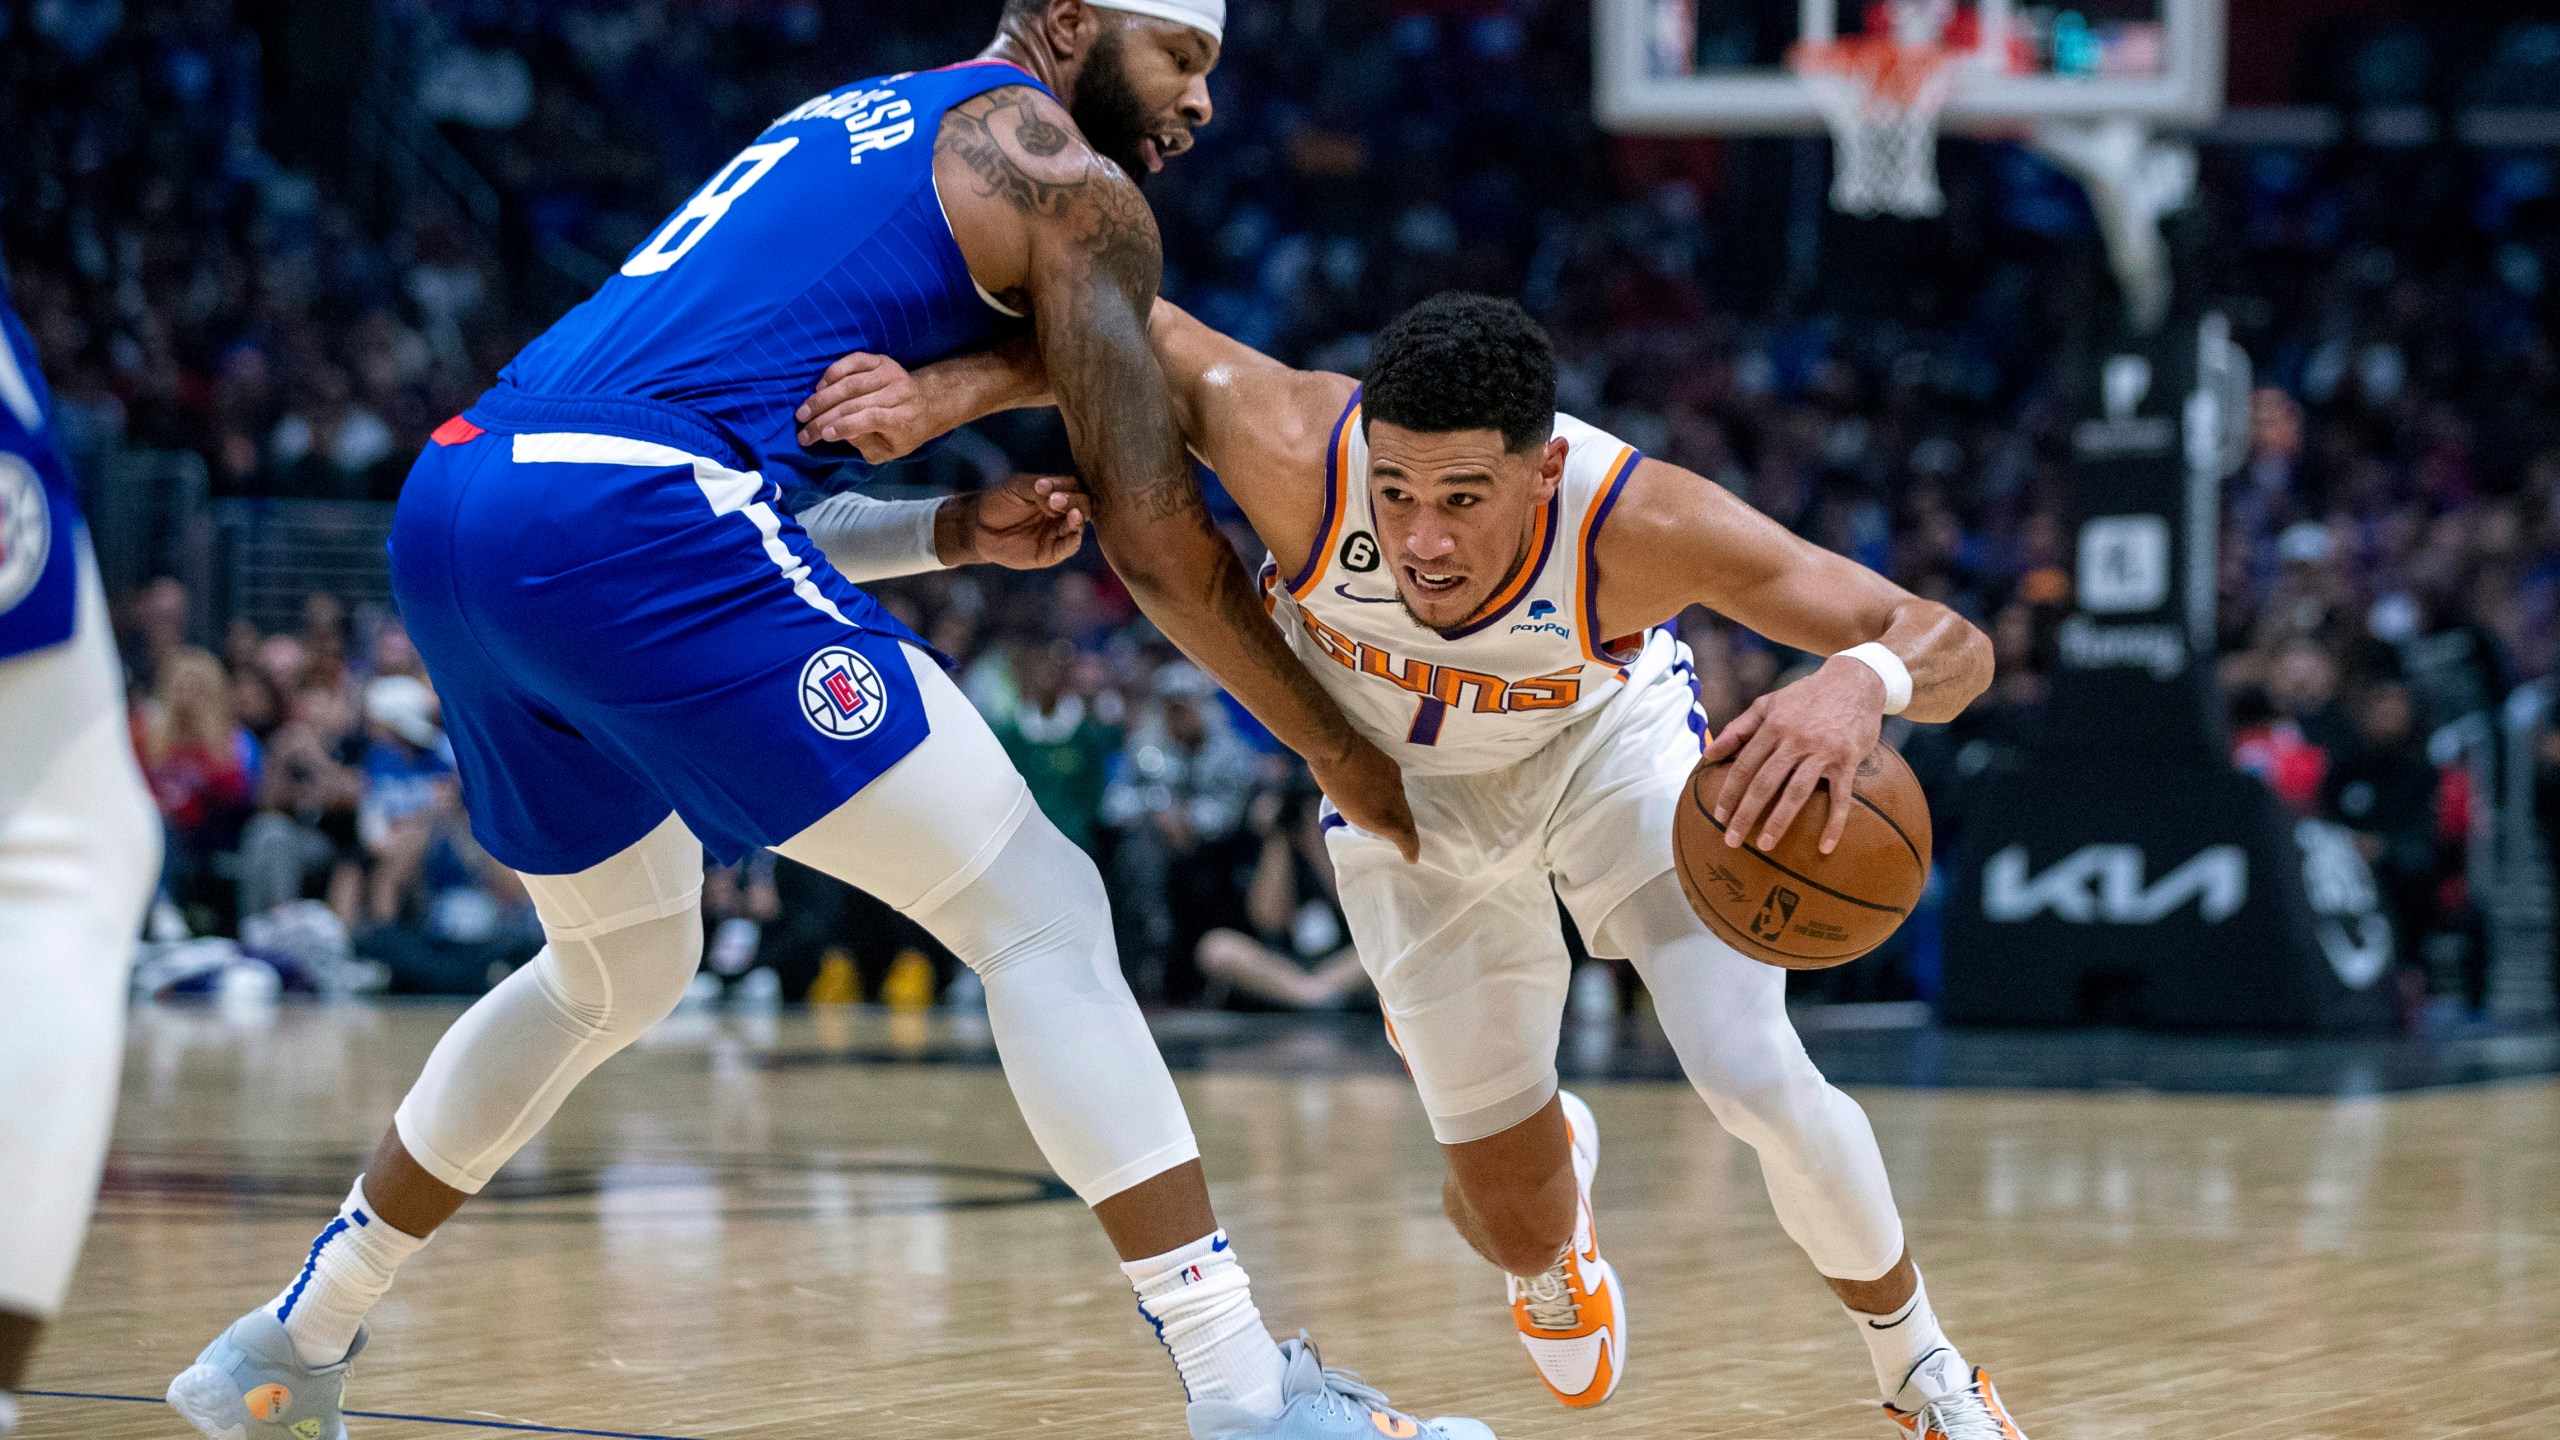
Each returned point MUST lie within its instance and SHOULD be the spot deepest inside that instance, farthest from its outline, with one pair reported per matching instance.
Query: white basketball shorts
(1464, 945)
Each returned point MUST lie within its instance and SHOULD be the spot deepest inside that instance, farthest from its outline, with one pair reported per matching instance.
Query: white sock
(1910, 1352)
(8, 1413)
(1201, 1303)
(349, 1267)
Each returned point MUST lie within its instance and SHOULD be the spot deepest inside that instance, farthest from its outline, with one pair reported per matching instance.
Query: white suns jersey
(1499, 687)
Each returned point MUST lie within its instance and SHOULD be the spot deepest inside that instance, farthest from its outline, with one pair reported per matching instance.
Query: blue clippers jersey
(39, 509)
(824, 237)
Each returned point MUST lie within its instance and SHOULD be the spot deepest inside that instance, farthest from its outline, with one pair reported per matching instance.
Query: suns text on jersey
(1448, 684)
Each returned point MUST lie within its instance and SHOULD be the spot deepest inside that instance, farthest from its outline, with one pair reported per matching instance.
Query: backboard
(1719, 66)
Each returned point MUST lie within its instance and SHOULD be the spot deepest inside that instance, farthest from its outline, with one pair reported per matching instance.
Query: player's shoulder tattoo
(1018, 146)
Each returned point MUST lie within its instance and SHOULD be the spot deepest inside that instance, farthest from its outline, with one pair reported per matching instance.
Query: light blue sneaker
(249, 1385)
(1324, 1404)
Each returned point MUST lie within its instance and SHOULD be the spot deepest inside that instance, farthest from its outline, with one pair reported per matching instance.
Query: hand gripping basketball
(1792, 739)
(1791, 905)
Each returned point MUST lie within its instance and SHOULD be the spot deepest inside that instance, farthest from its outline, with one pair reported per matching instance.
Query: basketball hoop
(1882, 100)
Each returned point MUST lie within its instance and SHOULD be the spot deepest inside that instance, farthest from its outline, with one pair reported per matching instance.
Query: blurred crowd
(292, 237)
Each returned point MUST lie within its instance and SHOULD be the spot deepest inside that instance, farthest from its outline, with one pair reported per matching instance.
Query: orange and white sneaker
(1969, 1409)
(1573, 1319)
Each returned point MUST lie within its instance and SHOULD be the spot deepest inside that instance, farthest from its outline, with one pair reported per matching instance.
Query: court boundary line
(517, 1427)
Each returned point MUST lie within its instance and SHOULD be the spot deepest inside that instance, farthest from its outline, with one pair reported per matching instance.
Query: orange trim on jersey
(1337, 501)
(1586, 556)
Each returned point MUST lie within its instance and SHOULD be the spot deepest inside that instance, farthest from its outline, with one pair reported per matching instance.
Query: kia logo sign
(2105, 884)
(2346, 907)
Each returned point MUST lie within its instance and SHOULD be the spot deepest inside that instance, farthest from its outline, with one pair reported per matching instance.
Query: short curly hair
(1464, 362)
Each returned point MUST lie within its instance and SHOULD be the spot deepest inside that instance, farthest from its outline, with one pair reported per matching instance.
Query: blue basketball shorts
(618, 628)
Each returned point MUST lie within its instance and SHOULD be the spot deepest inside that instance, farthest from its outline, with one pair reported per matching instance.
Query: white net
(1882, 102)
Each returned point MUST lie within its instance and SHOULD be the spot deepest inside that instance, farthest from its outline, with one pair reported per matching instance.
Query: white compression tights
(949, 836)
(625, 938)
(1726, 1016)
(79, 853)
(1036, 926)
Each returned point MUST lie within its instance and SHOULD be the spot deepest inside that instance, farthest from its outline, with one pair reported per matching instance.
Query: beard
(1445, 633)
(1107, 108)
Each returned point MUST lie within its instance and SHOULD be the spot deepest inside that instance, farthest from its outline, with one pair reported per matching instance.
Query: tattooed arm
(1261, 425)
(1075, 247)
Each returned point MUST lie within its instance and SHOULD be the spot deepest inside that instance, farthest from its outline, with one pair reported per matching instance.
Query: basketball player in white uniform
(79, 851)
(1485, 586)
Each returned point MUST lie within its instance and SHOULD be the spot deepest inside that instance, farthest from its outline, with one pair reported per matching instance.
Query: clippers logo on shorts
(26, 530)
(841, 694)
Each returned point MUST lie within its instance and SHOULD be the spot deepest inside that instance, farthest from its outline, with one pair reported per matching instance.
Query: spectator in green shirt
(1056, 740)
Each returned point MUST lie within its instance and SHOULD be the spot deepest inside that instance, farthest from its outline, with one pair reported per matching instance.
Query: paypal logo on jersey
(1538, 623)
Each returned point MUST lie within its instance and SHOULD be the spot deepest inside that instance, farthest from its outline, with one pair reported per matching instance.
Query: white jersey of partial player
(1495, 690)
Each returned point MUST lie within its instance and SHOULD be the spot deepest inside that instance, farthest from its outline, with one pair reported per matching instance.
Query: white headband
(1207, 16)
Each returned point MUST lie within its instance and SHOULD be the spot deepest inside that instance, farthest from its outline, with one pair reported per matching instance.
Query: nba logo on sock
(841, 694)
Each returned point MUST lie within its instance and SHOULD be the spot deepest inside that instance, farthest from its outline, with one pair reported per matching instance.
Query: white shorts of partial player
(79, 854)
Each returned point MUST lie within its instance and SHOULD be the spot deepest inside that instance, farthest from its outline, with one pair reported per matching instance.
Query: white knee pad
(1726, 1017)
(951, 837)
(625, 937)
(625, 941)
(79, 854)
(1036, 926)
(1040, 901)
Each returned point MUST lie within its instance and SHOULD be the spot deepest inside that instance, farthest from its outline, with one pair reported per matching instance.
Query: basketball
(1793, 906)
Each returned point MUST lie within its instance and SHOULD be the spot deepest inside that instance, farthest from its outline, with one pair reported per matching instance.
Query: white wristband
(1889, 668)
(871, 539)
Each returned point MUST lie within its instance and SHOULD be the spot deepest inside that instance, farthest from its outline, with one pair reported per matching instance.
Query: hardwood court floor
(708, 1244)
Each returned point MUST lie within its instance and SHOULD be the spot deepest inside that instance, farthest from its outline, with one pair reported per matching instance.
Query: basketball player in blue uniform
(79, 853)
(642, 654)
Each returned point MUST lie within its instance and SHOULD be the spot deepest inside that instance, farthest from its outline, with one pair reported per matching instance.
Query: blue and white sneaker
(1324, 1404)
(249, 1385)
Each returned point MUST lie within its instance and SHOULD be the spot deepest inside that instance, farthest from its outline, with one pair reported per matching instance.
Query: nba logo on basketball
(841, 693)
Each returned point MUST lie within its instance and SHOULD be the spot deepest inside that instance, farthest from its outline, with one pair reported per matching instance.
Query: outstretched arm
(875, 405)
(1089, 278)
(1678, 539)
(1260, 424)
